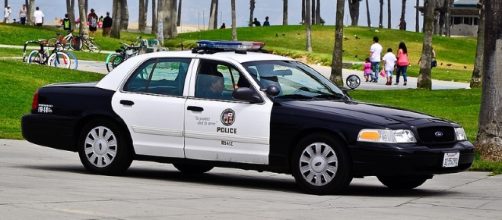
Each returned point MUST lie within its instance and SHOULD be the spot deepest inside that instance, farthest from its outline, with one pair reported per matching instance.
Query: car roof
(114, 79)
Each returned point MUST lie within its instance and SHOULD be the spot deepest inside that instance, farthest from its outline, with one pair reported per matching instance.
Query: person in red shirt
(92, 18)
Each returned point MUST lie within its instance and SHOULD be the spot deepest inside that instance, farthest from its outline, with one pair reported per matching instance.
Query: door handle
(195, 108)
(126, 102)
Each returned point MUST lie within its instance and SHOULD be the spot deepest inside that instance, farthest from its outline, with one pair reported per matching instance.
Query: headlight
(386, 136)
(460, 134)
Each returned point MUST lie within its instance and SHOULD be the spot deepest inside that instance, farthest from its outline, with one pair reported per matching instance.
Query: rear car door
(220, 128)
(152, 103)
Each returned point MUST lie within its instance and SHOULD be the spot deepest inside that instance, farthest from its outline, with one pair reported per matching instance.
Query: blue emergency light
(230, 45)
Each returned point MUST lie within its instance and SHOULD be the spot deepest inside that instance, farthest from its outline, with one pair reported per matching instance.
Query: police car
(226, 104)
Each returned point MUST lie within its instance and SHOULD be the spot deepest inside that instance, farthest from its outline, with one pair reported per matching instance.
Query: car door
(220, 128)
(152, 102)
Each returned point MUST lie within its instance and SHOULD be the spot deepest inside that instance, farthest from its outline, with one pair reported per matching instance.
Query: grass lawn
(290, 40)
(19, 82)
(18, 34)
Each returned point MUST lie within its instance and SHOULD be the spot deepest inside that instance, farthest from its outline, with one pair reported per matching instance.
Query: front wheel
(321, 165)
(59, 59)
(403, 182)
(104, 149)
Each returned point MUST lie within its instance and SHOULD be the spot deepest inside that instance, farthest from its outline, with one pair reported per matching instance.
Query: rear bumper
(49, 130)
(389, 159)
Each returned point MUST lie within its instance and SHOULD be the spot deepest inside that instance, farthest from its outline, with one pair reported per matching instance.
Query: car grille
(436, 135)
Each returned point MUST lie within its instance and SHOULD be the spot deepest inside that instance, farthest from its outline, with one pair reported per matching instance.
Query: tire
(115, 61)
(108, 61)
(403, 182)
(35, 57)
(192, 168)
(73, 60)
(353, 81)
(104, 149)
(62, 60)
(321, 165)
(76, 43)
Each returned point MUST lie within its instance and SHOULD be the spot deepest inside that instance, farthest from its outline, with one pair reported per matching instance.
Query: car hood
(370, 113)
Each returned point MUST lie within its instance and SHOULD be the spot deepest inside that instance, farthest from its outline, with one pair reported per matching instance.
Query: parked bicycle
(79, 43)
(57, 57)
(125, 52)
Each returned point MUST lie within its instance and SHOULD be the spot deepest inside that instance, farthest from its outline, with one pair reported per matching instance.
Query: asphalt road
(42, 183)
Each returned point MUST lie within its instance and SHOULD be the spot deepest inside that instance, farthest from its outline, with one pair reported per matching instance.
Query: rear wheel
(109, 59)
(403, 182)
(35, 57)
(104, 149)
(115, 61)
(192, 168)
(321, 165)
(59, 59)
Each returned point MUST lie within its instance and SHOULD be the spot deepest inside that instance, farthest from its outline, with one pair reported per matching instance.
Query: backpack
(93, 22)
(66, 24)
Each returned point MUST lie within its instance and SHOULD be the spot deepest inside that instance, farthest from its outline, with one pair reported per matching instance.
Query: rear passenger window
(159, 76)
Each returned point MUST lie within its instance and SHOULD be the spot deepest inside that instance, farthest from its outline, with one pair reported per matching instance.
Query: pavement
(43, 183)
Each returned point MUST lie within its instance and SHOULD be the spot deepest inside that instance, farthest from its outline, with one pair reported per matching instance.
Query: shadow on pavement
(276, 183)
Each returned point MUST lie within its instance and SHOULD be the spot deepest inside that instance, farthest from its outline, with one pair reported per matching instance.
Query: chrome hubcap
(318, 164)
(100, 146)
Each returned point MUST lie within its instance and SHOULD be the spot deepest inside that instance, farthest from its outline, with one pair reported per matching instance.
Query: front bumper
(408, 159)
(50, 130)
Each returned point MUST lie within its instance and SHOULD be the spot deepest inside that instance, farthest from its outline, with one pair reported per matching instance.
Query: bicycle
(125, 52)
(43, 57)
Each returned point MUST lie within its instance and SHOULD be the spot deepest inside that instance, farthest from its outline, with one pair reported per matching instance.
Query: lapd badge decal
(228, 117)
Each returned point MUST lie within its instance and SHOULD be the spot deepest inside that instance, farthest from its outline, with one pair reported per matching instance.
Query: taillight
(34, 104)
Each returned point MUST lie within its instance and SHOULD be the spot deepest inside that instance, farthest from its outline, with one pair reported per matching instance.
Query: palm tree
(142, 13)
(169, 16)
(477, 73)
(6, 3)
(285, 12)
(318, 12)
(213, 15)
(178, 19)
(115, 32)
(354, 11)
(417, 25)
(70, 10)
(402, 20)
(252, 5)
(312, 14)
(336, 66)
(160, 20)
(84, 28)
(424, 77)
(31, 10)
(490, 120)
(124, 15)
(368, 13)
(234, 21)
(303, 11)
(389, 26)
(154, 17)
(308, 26)
(380, 23)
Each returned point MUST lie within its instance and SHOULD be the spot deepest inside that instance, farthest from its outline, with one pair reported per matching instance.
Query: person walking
(390, 62)
(266, 23)
(256, 23)
(66, 23)
(402, 63)
(92, 18)
(107, 24)
(39, 17)
(7, 13)
(375, 55)
(23, 12)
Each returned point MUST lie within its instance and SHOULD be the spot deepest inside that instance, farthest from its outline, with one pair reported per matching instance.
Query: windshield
(294, 79)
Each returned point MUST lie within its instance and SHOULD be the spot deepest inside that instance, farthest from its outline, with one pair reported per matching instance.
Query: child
(367, 69)
(390, 61)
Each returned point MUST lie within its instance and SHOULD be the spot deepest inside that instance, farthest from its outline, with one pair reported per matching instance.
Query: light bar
(230, 45)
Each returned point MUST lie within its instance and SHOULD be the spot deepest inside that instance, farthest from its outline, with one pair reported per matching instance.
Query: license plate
(451, 159)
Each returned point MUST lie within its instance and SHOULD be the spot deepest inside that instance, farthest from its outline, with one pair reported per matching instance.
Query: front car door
(152, 103)
(220, 128)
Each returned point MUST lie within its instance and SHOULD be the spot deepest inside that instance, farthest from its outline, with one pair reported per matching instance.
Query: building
(464, 18)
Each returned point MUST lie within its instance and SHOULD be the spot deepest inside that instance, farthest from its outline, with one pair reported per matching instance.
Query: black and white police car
(220, 105)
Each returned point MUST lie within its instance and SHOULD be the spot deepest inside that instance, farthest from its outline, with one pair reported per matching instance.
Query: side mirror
(272, 90)
(346, 93)
(247, 94)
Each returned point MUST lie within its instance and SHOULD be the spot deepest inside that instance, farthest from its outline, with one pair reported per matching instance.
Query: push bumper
(399, 159)
(49, 130)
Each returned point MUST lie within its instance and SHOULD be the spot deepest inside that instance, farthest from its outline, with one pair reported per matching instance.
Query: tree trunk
(308, 27)
(303, 11)
(424, 77)
(312, 14)
(234, 21)
(368, 14)
(178, 19)
(285, 12)
(213, 15)
(354, 12)
(477, 73)
(70, 10)
(389, 25)
(380, 20)
(86, 7)
(402, 20)
(124, 11)
(160, 20)
(174, 19)
(318, 12)
(417, 18)
(252, 5)
(141, 16)
(489, 139)
(6, 3)
(154, 17)
(31, 11)
(448, 18)
(84, 28)
(169, 14)
(115, 32)
(336, 66)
